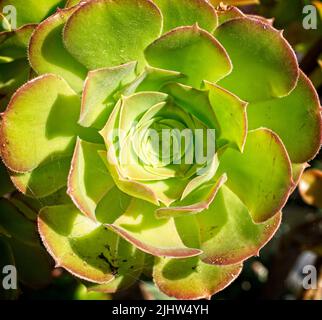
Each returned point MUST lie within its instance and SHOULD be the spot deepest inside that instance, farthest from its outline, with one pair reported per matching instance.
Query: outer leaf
(139, 226)
(261, 176)
(260, 52)
(191, 278)
(47, 53)
(91, 29)
(295, 118)
(191, 51)
(227, 233)
(186, 13)
(84, 248)
(89, 179)
(41, 117)
(310, 187)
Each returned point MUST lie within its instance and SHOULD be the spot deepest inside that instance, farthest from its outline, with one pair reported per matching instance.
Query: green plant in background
(19, 243)
(168, 65)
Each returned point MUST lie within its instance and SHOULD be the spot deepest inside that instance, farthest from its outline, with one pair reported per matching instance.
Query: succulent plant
(111, 73)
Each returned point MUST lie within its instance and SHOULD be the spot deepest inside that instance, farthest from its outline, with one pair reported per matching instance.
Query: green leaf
(227, 233)
(231, 115)
(194, 202)
(98, 94)
(39, 124)
(139, 226)
(191, 51)
(295, 118)
(186, 13)
(89, 181)
(92, 29)
(85, 248)
(112, 206)
(44, 180)
(265, 65)
(261, 176)
(47, 53)
(191, 278)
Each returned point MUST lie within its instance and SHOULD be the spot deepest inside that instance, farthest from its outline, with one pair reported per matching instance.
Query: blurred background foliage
(276, 274)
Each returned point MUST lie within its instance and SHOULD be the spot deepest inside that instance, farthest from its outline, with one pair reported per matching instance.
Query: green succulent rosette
(109, 73)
